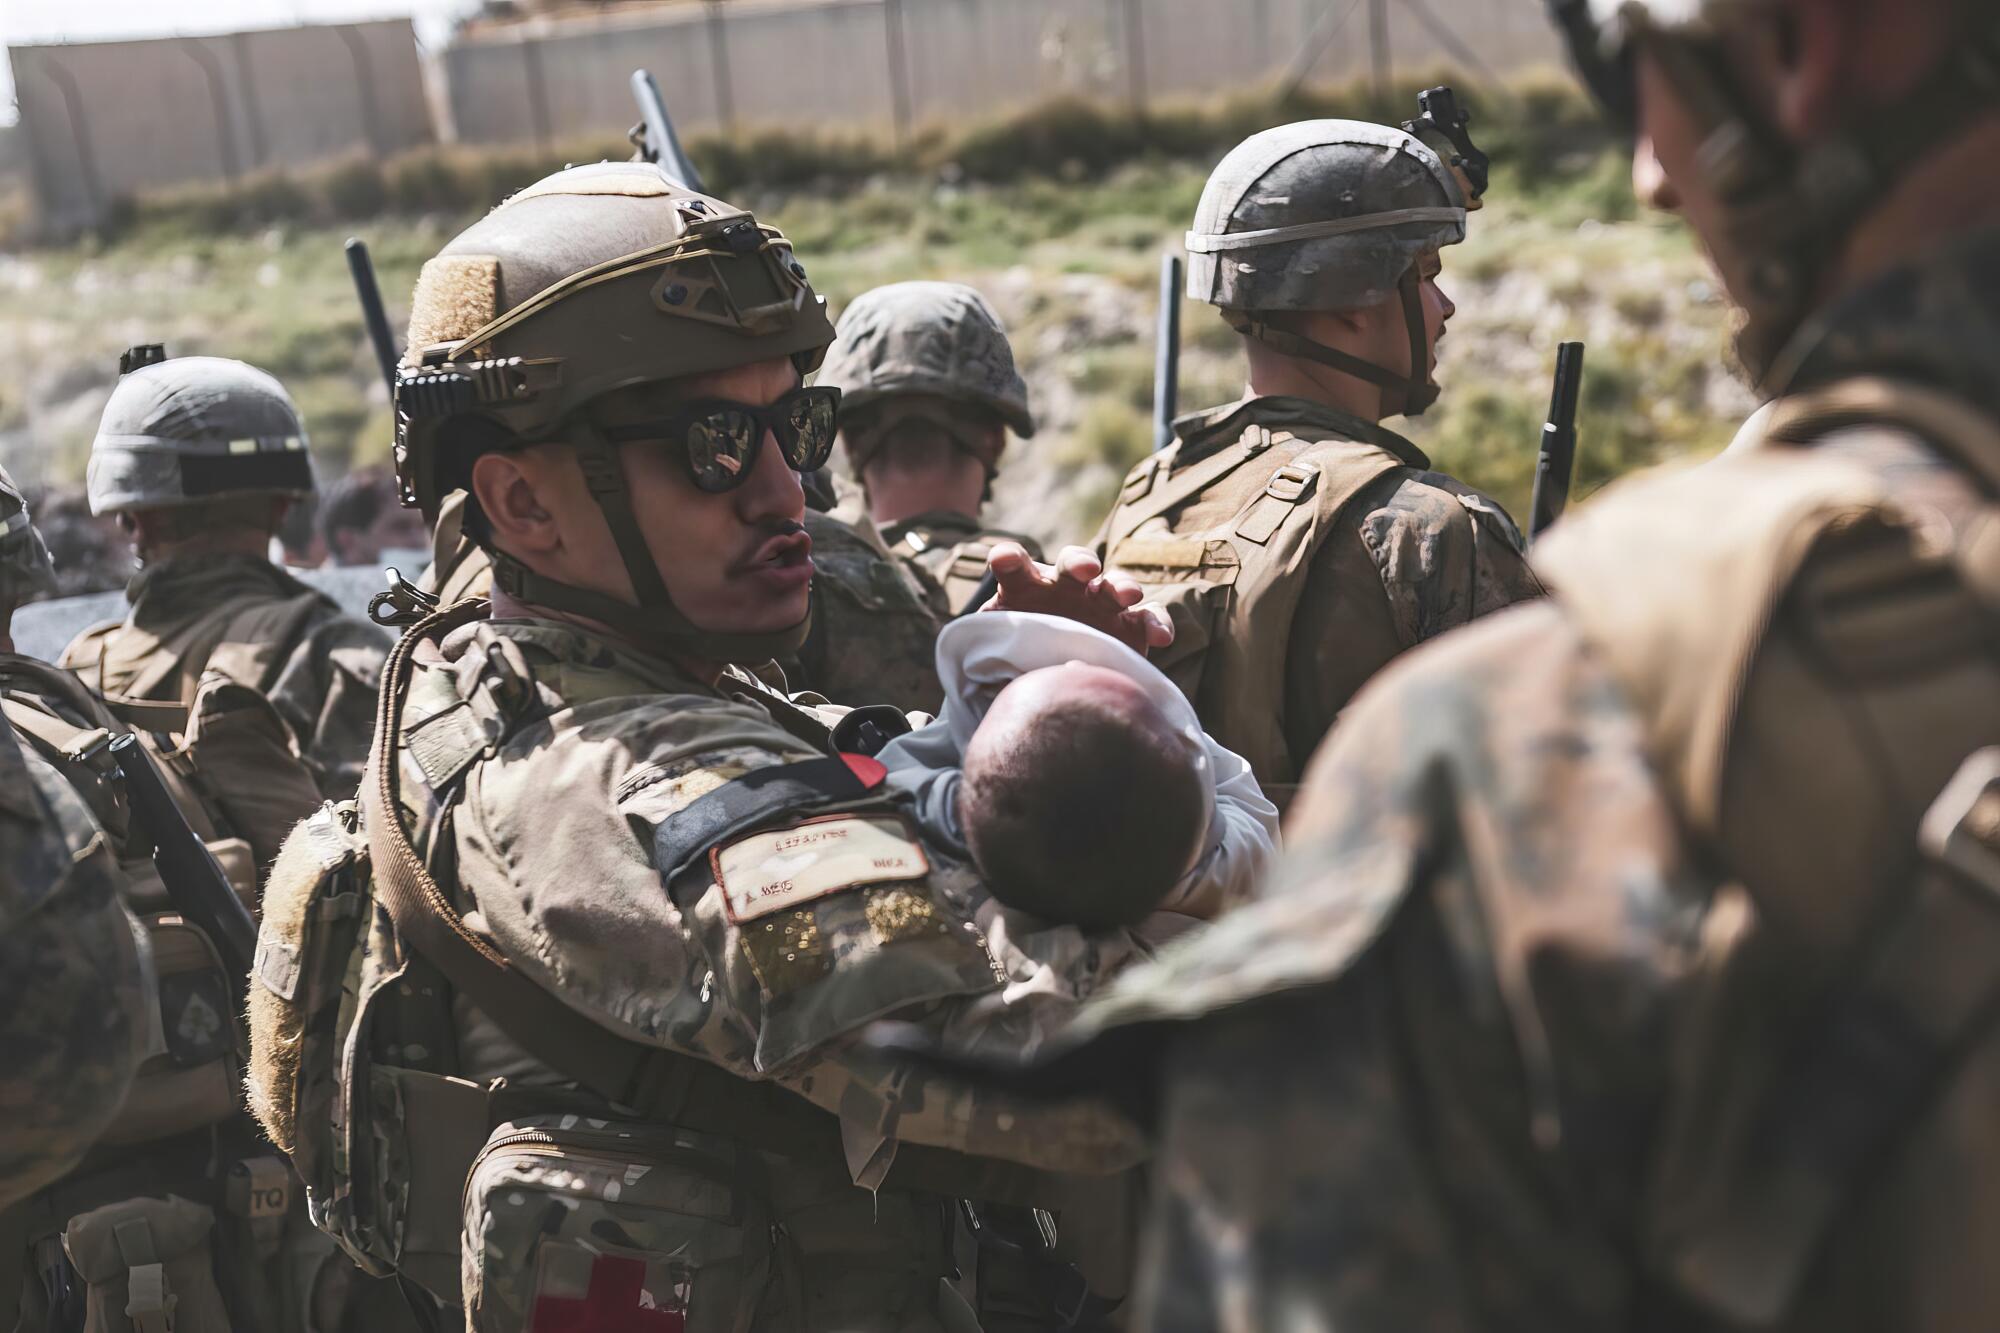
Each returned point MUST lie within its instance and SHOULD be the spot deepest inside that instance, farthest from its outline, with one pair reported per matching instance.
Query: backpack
(1794, 645)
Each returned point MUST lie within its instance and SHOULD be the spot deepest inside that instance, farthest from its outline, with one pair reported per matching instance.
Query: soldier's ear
(508, 494)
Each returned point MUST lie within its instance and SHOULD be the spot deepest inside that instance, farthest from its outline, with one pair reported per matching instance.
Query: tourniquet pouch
(148, 1267)
(575, 1222)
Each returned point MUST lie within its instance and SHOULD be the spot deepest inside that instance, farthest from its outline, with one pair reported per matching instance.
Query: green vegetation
(1060, 215)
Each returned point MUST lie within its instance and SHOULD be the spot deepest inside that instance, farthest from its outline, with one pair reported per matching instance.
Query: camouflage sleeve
(327, 693)
(1427, 555)
(1471, 955)
(74, 990)
(556, 850)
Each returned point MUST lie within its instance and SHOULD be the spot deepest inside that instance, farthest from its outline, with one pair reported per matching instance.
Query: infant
(1079, 780)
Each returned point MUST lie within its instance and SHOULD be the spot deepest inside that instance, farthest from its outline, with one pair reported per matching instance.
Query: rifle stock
(195, 882)
(1557, 457)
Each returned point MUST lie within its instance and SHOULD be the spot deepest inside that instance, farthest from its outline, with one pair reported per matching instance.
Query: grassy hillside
(1059, 217)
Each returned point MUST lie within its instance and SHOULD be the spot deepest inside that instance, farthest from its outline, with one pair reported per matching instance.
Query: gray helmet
(194, 428)
(1324, 215)
(938, 339)
(25, 567)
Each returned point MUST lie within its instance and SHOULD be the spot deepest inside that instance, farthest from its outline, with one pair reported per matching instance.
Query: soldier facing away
(200, 458)
(1635, 962)
(628, 902)
(1297, 542)
(928, 394)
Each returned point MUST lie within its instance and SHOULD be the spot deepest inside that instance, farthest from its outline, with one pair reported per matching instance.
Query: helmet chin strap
(654, 622)
(1402, 393)
(1789, 210)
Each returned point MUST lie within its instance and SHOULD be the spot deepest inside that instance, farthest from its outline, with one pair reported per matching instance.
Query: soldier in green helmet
(929, 394)
(578, 1056)
(1635, 962)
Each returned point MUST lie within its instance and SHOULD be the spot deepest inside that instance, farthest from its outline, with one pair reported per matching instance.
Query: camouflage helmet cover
(192, 429)
(595, 279)
(25, 567)
(937, 339)
(1320, 215)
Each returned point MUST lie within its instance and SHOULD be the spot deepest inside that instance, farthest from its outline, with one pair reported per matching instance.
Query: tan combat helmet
(906, 346)
(1325, 215)
(595, 279)
(195, 428)
(25, 568)
(1788, 208)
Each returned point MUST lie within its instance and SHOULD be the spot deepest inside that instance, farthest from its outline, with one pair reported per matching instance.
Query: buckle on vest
(1291, 482)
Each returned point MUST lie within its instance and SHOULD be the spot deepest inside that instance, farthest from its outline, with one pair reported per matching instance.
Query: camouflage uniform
(875, 622)
(1633, 966)
(72, 983)
(1297, 547)
(651, 1104)
(930, 350)
(172, 436)
(72, 977)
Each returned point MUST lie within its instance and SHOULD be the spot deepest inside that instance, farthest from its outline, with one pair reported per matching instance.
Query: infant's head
(1082, 800)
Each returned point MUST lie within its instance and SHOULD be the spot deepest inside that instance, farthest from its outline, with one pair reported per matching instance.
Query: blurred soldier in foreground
(928, 394)
(200, 458)
(1635, 965)
(73, 989)
(632, 903)
(1298, 544)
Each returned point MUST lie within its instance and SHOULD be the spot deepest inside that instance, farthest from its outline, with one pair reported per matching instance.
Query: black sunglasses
(720, 439)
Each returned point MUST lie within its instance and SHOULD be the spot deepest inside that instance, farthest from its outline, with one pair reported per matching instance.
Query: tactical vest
(248, 644)
(1818, 676)
(1224, 545)
(952, 550)
(413, 1168)
(131, 1239)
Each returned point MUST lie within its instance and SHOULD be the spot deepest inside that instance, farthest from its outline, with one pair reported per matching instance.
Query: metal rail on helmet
(654, 134)
(1438, 111)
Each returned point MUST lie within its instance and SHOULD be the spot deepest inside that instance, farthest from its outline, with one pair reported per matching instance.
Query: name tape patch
(769, 872)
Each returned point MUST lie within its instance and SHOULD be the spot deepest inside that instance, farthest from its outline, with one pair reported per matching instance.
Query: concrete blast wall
(905, 63)
(106, 119)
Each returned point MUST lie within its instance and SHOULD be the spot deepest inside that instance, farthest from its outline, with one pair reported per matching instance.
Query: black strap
(685, 836)
(1416, 387)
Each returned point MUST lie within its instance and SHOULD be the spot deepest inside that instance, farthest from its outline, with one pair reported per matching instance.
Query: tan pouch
(593, 1218)
(244, 757)
(192, 1080)
(148, 1267)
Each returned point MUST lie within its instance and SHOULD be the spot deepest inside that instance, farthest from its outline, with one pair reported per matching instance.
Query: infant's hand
(1076, 588)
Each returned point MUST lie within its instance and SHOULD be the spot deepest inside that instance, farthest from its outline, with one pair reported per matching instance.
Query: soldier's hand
(1076, 588)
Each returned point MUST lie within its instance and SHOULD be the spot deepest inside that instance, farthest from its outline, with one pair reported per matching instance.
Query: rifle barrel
(362, 268)
(195, 882)
(1167, 353)
(1557, 457)
(663, 146)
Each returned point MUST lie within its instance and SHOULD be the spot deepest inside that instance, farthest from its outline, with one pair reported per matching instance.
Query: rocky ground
(1071, 265)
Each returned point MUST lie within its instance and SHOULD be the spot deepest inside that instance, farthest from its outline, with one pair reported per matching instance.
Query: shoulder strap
(1184, 485)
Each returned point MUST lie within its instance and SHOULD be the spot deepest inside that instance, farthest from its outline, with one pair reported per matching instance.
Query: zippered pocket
(573, 1222)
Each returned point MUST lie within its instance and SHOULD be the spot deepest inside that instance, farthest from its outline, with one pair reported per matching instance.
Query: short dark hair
(1086, 818)
(353, 503)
